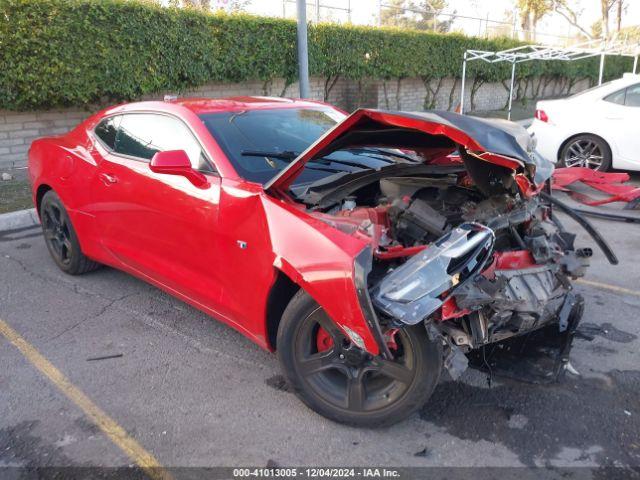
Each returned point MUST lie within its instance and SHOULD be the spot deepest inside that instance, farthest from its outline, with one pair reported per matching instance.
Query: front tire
(587, 151)
(61, 238)
(345, 384)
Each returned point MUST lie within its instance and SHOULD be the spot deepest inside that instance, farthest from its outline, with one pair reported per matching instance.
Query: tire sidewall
(429, 366)
(76, 254)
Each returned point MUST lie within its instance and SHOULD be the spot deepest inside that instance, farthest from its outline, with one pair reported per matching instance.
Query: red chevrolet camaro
(371, 251)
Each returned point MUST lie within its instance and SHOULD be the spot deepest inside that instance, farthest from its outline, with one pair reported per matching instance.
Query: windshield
(260, 143)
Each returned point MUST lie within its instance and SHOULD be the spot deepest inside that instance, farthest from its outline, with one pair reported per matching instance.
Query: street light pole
(464, 77)
(303, 53)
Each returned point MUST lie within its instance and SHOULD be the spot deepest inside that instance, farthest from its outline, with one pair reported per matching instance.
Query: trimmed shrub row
(57, 53)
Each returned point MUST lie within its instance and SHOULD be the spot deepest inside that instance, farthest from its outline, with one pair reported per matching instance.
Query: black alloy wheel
(56, 233)
(60, 237)
(346, 384)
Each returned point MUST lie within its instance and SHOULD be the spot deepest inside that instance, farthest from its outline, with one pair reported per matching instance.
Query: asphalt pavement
(193, 392)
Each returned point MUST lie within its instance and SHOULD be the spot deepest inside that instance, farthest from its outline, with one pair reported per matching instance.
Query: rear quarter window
(629, 96)
(107, 129)
(616, 97)
(632, 98)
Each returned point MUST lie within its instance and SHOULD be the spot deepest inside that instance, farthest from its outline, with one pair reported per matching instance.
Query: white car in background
(598, 128)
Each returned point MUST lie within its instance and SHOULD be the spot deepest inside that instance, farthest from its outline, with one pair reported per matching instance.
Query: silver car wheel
(583, 153)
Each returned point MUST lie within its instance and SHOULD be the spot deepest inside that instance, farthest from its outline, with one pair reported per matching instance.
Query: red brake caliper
(390, 338)
(325, 342)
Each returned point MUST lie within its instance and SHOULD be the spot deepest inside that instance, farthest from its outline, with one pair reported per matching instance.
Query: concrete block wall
(19, 129)
(409, 94)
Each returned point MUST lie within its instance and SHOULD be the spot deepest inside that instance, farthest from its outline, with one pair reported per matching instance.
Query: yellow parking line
(606, 286)
(115, 432)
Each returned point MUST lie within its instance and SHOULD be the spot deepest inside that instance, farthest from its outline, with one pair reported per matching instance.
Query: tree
(597, 27)
(621, 7)
(572, 14)
(605, 9)
(630, 33)
(531, 11)
(420, 15)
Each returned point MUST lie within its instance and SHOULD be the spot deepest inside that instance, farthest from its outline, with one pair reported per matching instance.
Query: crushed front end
(503, 272)
(463, 232)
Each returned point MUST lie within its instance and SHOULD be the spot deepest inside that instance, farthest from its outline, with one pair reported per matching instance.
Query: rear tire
(61, 238)
(587, 151)
(347, 385)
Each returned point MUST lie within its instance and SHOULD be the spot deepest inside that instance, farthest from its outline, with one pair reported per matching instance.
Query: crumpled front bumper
(496, 302)
(526, 298)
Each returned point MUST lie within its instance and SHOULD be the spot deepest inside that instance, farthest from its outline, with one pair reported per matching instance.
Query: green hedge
(77, 52)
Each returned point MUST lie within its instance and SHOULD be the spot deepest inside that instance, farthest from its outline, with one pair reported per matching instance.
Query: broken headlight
(416, 289)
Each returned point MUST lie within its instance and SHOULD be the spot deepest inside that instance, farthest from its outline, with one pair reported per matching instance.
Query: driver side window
(141, 135)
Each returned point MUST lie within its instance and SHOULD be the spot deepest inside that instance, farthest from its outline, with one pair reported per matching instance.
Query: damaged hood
(437, 131)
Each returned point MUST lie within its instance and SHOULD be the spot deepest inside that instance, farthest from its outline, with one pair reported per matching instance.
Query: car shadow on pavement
(596, 419)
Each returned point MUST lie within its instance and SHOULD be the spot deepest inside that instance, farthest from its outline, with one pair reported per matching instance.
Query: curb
(20, 219)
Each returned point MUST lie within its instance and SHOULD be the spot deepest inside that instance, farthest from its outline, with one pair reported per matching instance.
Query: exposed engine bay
(477, 268)
(462, 230)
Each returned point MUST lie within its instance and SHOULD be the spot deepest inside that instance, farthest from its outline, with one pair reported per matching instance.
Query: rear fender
(53, 164)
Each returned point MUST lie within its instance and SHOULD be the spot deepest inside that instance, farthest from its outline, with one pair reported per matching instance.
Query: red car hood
(495, 141)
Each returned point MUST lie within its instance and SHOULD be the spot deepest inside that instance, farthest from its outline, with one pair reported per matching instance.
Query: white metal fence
(371, 12)
(318, 11)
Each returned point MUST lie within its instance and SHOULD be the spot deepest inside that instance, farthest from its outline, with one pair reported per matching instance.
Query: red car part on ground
(610, 183)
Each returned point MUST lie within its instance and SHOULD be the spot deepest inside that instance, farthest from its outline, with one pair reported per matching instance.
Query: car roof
(611, 86)
(626, 80)
(200, 106)
(230, 104)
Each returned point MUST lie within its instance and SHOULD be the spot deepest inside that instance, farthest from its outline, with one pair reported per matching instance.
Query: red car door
(160, 226)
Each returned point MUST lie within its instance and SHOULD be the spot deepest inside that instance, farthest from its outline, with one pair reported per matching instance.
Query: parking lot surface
(193, 392)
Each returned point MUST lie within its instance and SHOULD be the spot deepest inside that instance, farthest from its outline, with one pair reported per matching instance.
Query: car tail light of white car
(542, 116)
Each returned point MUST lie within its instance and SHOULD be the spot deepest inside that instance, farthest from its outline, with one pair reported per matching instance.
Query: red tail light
(542, 116)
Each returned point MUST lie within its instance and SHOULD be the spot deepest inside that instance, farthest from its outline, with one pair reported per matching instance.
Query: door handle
(108, 178)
